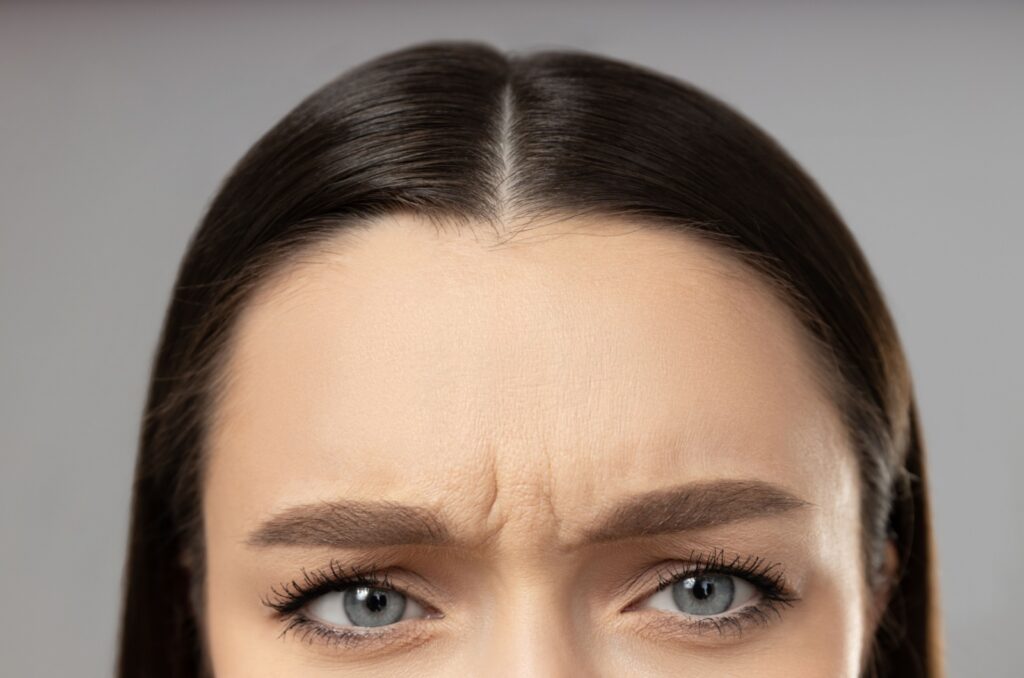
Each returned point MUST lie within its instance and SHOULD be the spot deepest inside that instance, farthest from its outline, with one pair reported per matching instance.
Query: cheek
(821, 637)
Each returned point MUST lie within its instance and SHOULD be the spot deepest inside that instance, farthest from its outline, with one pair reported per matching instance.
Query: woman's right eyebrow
(377, 524)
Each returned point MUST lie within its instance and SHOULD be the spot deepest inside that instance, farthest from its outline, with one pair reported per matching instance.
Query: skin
(516, 394)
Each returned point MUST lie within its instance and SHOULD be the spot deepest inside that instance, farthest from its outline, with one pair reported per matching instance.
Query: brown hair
(458, 131)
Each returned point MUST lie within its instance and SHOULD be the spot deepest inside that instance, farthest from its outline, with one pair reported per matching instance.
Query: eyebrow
(692, 507)
(351, 524)
(369, 524)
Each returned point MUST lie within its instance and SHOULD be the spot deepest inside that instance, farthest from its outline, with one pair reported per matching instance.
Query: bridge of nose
(534, 626)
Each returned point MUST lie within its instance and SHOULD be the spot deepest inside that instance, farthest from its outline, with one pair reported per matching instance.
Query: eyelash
(766, 577)
(288, 600)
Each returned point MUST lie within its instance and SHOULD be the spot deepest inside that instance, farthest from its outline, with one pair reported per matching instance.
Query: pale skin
(510, 398)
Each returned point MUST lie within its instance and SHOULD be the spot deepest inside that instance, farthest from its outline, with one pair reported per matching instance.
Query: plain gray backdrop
(118, 120)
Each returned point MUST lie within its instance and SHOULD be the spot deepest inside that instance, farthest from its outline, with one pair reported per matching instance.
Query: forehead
(582, 361)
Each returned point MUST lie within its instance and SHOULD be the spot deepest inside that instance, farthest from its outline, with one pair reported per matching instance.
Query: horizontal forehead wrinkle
(351, 524)
(692, 507)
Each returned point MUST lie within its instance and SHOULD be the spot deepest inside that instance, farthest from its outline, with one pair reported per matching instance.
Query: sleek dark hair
(459, 132)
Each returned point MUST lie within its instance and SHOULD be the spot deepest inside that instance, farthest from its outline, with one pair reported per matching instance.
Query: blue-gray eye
(363, 606)
(704, 595)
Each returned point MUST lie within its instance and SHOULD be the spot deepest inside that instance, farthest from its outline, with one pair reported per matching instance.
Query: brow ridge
(691, 507)
(684, 508)
(351, 524)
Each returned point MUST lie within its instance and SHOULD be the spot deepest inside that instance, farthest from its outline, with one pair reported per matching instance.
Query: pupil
(703, 596)
(376, 600)
(367, 606)
(703, 589)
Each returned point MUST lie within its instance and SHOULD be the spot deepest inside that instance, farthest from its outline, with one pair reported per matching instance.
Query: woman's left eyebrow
(690, 507)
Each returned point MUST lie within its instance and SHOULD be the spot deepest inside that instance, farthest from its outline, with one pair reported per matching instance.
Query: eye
(363, 606)
(704, 595)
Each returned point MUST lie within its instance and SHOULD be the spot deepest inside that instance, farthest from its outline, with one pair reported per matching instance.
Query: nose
(534, 634)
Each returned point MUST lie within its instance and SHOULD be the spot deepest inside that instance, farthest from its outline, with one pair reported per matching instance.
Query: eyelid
(399, 637)
(766, 577)
(756, 596)
(290, 602)
(772, 594)
(681, 628)
(292, 596)
(412, 606)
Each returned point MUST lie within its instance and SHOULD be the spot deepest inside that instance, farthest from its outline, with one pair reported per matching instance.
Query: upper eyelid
(754, 569)
(761, 610)
(291, 597)
(674, 574)
(662, 623)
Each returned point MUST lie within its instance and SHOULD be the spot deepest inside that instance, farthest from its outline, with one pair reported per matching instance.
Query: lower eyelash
(766, 577)
(290, 598)
(311, 631)
(735, 623)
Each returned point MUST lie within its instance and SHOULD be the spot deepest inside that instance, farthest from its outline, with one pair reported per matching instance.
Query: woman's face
(594, 450)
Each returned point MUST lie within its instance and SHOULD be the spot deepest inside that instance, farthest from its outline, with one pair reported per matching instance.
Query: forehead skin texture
(519, 392)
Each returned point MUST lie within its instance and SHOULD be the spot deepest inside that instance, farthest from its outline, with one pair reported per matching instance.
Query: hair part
(462, 134)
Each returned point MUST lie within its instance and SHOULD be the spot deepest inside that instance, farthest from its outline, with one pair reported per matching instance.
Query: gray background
(118, 120)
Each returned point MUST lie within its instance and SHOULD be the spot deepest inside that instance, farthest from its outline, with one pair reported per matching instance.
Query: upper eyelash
(765, 575)
(290, 597)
